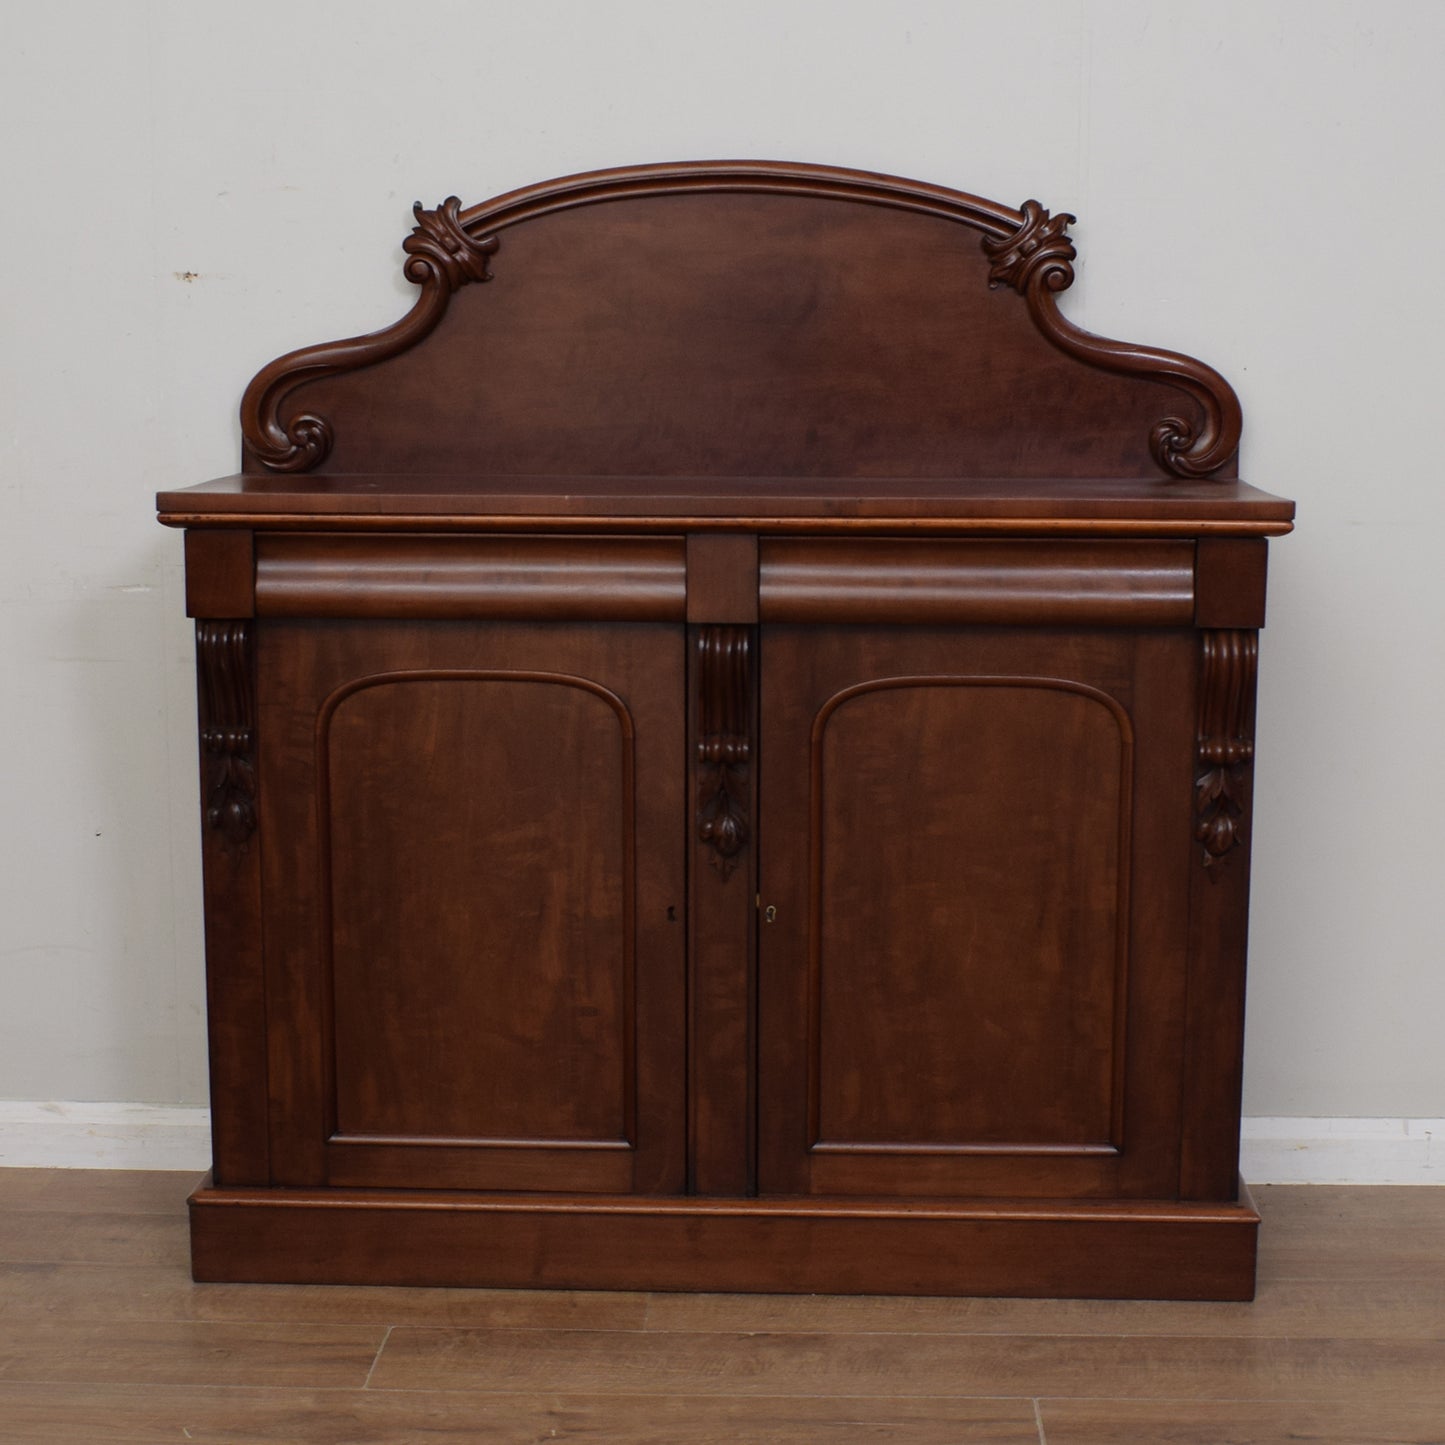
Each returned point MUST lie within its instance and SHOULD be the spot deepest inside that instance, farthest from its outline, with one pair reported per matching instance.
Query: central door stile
(722, 872)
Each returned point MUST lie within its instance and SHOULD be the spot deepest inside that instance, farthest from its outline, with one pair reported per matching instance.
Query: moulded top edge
(462, 496)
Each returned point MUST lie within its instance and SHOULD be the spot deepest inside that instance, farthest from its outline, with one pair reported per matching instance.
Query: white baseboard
(1343, 1151)
(103, 1136)
(1274, 1151)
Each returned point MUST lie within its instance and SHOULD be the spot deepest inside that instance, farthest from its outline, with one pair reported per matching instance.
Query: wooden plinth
(1074, 1249)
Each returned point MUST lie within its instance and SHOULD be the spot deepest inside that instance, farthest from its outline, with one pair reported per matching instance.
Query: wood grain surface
(104, 1339)
(439, 503)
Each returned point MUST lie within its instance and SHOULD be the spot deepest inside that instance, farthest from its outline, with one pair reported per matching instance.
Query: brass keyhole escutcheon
(770, 914)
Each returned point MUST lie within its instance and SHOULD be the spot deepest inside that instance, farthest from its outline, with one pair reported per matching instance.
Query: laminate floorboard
(109, 1416)
(96, 1191)
(66, 1351)
(128, 1293)
(1328, 1233)
(34, 1237)
(1113, 1422)
(1299, 1309)
(103, 1338)
(668, 1362)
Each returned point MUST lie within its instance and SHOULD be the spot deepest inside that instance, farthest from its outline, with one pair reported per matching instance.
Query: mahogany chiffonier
(726, 754)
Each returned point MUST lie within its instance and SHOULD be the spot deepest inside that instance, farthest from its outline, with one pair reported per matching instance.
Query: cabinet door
(472, 860)
(975, 858)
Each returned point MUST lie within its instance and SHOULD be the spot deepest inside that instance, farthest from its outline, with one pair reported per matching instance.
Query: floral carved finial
(441, 247)
(1040, 247)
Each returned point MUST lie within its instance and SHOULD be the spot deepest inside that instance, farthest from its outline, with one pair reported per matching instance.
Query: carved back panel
(748, 320)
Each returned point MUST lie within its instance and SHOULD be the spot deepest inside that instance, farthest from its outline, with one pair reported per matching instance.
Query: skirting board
(103, 1136)
(1343, 1151)
(1275, 1150)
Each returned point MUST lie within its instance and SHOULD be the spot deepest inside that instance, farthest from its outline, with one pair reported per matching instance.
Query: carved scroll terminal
(1037, 260)
(228, 728)
(1226, 742)
(724, 747)
(442, 255)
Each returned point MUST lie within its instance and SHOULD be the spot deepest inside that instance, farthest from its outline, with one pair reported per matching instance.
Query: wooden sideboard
(726, 754)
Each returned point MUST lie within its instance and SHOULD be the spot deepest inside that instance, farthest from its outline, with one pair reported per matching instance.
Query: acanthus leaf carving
(228, 728)
(724, 744)
(1229, 663)
(442, 256)
(1039, 251)
(441, 247)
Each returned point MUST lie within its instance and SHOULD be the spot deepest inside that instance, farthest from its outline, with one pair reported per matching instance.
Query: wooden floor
(104, 1338)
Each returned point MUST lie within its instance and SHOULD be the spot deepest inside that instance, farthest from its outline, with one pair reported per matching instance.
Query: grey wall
(194, 188)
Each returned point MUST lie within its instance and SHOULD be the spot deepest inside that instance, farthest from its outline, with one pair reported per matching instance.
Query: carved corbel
(1229, 662)
(228, 728)
(724, 746)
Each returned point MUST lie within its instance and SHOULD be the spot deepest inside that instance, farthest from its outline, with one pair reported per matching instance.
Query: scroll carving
(442, 256)
(1037, 261)
(1226, 743)
(228, 728)
(724, 746)
(1028, 249)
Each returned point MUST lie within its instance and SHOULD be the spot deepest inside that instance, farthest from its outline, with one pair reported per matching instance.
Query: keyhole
(671, 913)
(770, 914)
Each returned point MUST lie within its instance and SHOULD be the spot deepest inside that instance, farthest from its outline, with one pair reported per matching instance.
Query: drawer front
(979, 582)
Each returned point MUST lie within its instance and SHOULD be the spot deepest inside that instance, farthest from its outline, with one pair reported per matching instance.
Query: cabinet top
(742, 338)
(762, 504)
